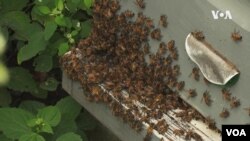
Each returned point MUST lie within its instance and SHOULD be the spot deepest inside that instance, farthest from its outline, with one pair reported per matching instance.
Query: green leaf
(40, 93)
(74, 33)
(50, 114)
(86, 28)
(44, 10)
(88, 3)
(69, 107)
(4, 138)
(12, 5)
(31, 137)
(72, 7)
(37, 16)
(69, 137)
(31, 106)
(3, 39)
(33, 122)
(43, 63)
(21, 80)
(50, 28)
(46, 128)
(63, 48)
(4, 74)
(15, 20)
(85, 121)
(50, 84)
(36, 44)
(55, 41)
(5, 98)
(61, 21)
(21, 24)
(59, 4)
(66, 125)
(13, 122)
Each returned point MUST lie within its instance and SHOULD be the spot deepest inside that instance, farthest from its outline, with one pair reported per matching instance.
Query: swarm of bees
(114, 56)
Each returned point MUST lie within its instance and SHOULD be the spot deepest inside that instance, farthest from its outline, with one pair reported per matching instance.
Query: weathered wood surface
(123, 131)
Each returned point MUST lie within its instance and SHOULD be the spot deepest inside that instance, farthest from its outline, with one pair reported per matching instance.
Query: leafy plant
(33, 36)
(44, 122)
(39, 32)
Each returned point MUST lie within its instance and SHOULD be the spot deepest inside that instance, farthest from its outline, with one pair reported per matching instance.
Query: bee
(236, 36)
(161, 126)
(224, 113)
(170, 45)
(96, 90)
(108, 13)
(226, 94)
(149, 23)
(210, 122)
(234, 103)
(140, 3)
(128, 14)
(178, 132)
(206, 98)
(167, 61)
(172, 82)
(140, 19)
(156, 34)
(191, 134)
(192, 93)
(149, 134)
(174, 54)
(163, 21)
(92, 77)
(109, 85)
(114, 5)
(195, 73)
(198, 35)
(248, 110)
(176, 70)
(180, 85)
(162, 49)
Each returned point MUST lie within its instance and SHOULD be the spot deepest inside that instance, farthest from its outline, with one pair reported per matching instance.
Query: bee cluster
(112, 60)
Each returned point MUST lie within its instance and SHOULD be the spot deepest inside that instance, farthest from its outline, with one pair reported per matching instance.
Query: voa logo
(236, 132)
(220, 14)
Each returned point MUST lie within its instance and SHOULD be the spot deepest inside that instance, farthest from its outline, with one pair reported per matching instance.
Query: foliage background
(33, 36)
